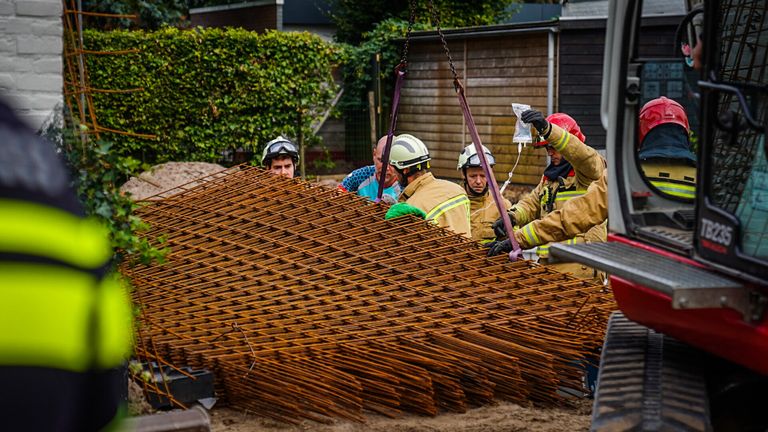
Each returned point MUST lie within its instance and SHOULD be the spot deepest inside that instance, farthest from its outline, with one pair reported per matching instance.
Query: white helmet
(279, 147)
(468, 157)
(408, 151)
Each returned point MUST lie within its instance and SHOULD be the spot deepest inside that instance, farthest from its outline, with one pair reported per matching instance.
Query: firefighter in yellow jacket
(573, 167)
(444, 203)
(665, 154)
(576, 216)
(482, 209)
(66, 323)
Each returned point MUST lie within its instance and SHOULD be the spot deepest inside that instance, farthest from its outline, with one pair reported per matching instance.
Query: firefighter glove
(498, 226)
(500, 247)
(538, 121)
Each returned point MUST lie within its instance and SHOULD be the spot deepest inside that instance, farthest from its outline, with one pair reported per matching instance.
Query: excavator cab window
(732, 225)
(667, 103)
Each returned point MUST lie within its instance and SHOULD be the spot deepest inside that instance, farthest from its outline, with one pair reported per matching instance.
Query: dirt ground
(503, 417)
(167, 176)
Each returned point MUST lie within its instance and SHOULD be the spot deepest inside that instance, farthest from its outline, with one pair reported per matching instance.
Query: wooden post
(372, 117)
(300, 143)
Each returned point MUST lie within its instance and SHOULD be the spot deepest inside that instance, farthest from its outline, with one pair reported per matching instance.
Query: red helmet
(660, 111)
(566, 122)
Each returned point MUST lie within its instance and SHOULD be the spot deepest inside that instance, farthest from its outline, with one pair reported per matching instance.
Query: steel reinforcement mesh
(307, 304)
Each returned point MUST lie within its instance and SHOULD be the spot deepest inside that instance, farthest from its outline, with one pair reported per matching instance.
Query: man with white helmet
(444, 203)
(483, 211)
(280, 157)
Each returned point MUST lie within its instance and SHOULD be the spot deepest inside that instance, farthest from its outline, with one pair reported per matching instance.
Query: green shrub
(209, 90)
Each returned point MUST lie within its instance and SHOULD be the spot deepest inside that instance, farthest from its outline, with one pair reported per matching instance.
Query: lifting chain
(436, 19)
(400, 71)
(411, 19)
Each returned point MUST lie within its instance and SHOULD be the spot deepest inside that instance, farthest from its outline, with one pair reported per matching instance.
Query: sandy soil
(504, 417)
(166, 176)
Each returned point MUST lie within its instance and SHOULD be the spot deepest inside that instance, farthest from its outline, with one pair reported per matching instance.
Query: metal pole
(300, 142)
(81, 65)
(551, 72)
(372, 117)
(379, 110)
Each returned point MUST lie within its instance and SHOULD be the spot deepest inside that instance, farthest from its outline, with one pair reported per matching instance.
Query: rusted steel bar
(99, 14)
(301, 319)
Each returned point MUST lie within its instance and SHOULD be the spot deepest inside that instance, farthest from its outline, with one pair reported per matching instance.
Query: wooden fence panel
(498, 71)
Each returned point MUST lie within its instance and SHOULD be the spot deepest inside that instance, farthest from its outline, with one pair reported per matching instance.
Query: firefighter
(66, 322)
(665, 152)
(482, 209)
(573, 167)
(365, 181)
(576, 216)
(444, 203)
(280, 157)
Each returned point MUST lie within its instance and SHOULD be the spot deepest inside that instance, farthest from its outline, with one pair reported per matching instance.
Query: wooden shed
(581, 49)
(498, 65)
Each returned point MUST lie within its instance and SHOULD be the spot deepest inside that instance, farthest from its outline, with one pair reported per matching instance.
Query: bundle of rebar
(307, 304)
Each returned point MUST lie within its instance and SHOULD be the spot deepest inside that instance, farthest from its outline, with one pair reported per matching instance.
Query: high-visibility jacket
(445, 203)
(575, 216)
(676, 179)
(588, 166)
(66, 322)
(482, 214)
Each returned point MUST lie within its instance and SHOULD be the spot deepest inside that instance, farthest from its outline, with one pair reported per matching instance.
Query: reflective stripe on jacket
(444, 202)
(678, 180)
(584, 214)
(58, 309)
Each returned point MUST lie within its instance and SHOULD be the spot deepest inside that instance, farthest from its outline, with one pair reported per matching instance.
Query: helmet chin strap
(404, 176)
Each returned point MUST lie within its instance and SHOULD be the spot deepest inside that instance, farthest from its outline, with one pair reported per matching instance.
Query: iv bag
(522, 129)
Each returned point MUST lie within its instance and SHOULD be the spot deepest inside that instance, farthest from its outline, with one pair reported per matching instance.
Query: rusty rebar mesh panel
(307, 304)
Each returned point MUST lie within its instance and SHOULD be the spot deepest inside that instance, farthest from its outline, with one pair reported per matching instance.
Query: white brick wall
(31, 57)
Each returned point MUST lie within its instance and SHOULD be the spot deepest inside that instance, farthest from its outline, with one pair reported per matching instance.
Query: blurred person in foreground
(66, 320)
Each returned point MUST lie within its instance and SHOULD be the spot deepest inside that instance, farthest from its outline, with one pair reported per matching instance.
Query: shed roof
(581, 9)
(306, 12)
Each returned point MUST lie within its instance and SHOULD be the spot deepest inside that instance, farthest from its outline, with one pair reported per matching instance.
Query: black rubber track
(648, 382)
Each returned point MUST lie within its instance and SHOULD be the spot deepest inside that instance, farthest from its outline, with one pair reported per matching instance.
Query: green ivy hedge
(209, 90)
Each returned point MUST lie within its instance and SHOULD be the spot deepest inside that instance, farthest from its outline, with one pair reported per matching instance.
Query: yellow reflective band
(543, 250)
(566, 195)
(562, 142)
(530, 235)
(676, 189)
(443, 207)
(38, 230)
(47, 314)
(115, 327)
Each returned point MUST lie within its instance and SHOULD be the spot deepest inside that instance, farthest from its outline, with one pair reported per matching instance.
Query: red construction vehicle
(689, 350)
